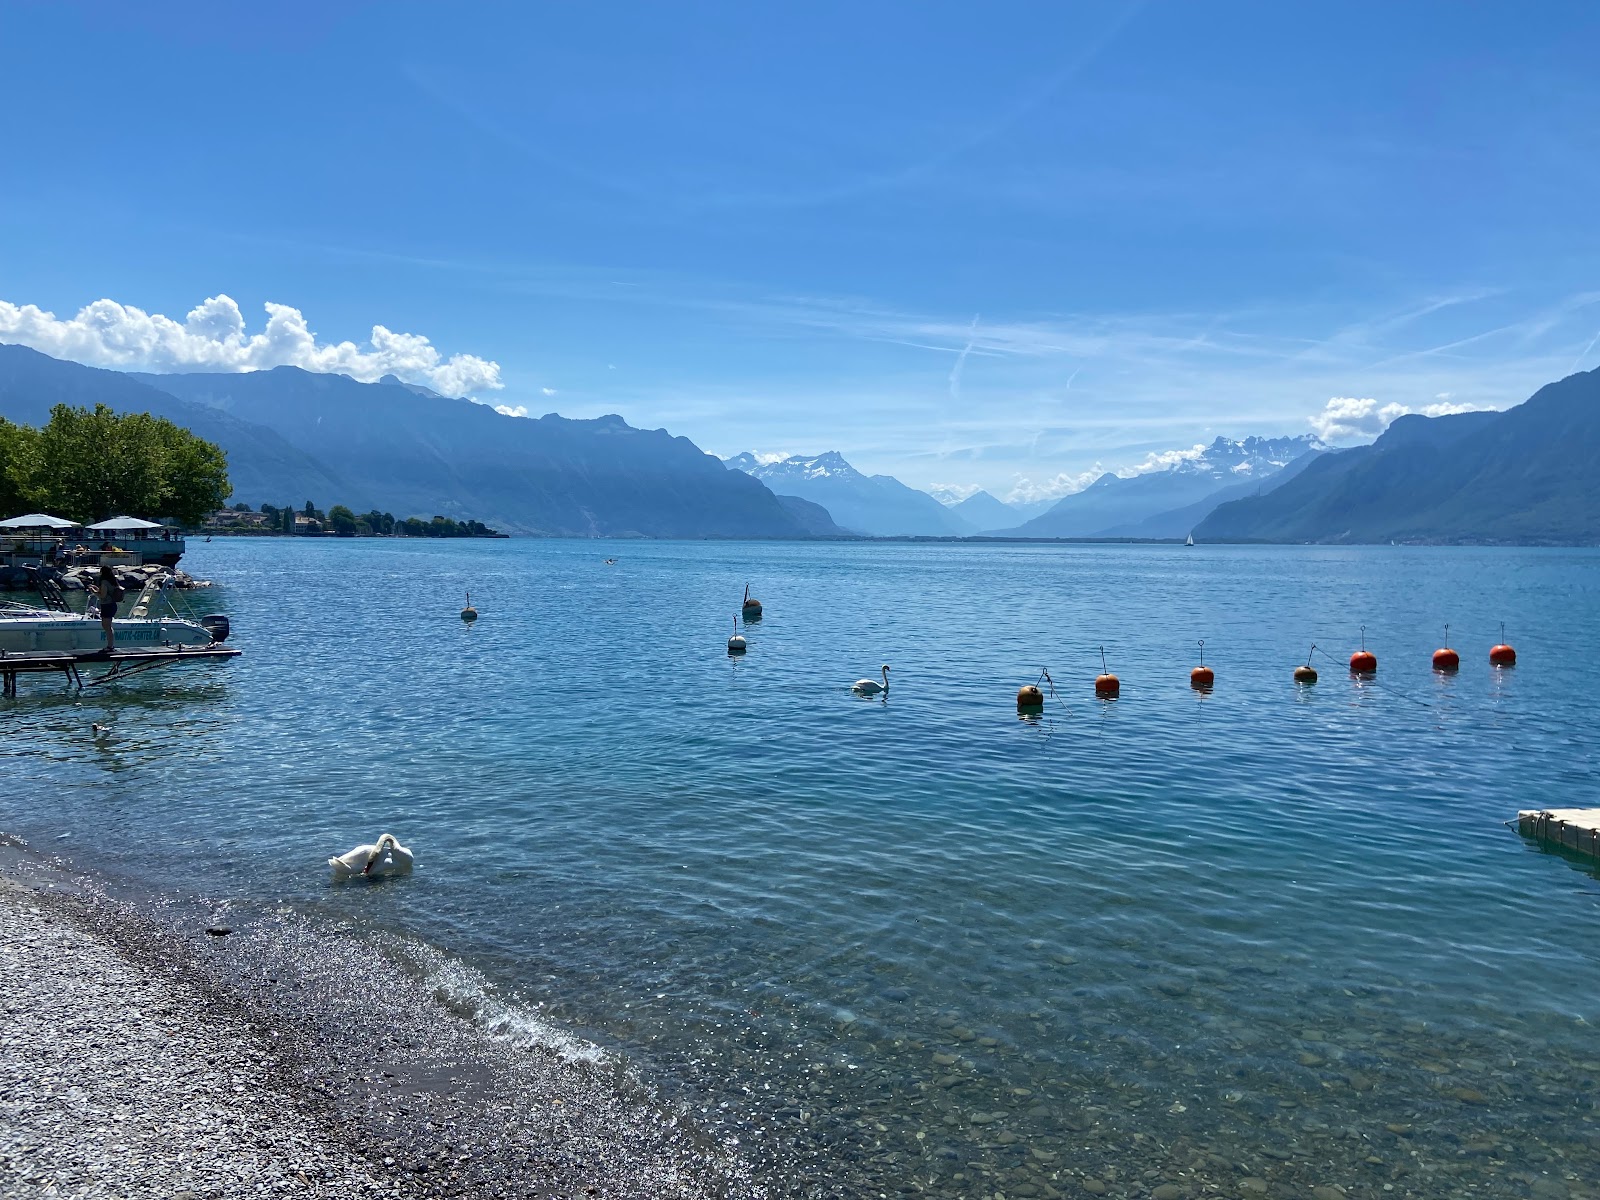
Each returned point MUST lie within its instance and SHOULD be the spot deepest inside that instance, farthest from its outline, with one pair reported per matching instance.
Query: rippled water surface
(1263, 940)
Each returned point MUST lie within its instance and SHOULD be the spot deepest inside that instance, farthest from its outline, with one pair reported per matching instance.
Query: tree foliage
(88, 465)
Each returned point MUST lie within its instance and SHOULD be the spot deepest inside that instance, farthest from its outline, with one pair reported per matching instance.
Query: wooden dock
(77, 669)
(1574, 829)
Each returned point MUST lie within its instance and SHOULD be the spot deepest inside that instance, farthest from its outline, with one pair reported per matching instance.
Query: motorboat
(26, 628)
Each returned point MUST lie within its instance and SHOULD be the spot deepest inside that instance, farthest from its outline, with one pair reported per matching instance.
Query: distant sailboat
(1189, 541)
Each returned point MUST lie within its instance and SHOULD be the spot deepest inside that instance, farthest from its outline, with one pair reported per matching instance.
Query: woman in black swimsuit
(109, 591)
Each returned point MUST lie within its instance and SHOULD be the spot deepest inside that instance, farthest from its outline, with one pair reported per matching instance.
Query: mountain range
(292, 435)
(875, 505)
(1171, 502)
(1528, 474)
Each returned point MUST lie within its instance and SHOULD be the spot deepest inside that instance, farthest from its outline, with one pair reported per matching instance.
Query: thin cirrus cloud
(213, 337)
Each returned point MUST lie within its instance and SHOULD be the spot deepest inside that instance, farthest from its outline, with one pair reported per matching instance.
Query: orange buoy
(1305, 672)
(1106, 685)
(1444, 658)
(1030, 696)
(469, 614)
(1202, 677)
(1363, 661)
(750, 607)
(1502, 655)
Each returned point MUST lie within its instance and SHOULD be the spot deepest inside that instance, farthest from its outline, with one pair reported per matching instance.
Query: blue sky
(1007, 244)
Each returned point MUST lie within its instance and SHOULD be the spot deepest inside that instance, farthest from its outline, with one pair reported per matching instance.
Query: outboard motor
(216, 625)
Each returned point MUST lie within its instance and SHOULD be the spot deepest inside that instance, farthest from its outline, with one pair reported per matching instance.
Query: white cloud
(1348, 419)
(547, 391)
(213, 338)
(509, 410)
(1026, 491)
(1163, 461)
(953, 493)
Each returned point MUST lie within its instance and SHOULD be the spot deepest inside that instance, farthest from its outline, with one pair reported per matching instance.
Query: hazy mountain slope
(407, 449)
(813, 518)
(261, 464)
(1112, 502)
(877, 505)
(982, 512)
(1179, 522)
(1530, 474)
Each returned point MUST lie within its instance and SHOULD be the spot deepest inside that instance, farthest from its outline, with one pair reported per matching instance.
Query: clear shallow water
(921, 945)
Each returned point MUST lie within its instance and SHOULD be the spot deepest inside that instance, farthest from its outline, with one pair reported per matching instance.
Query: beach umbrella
(37, 521)
(116, 523)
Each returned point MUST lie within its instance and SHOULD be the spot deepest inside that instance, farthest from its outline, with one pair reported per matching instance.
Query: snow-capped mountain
(1163, 502)
(877, 505)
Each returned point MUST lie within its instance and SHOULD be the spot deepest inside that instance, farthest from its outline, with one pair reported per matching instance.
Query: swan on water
(384, 857)
(871, 687)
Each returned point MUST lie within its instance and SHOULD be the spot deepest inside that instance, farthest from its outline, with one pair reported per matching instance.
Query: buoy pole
(1444, 658)
(1202, 677)
(1106, 685)
(1503, 655)
(1306, 673)
(1363, 661)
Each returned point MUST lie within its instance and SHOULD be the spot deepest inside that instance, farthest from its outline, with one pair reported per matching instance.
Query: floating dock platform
(119, 664)
(1575, 829)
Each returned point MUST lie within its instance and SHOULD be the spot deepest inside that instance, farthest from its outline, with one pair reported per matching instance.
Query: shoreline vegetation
(177, 1050)
(339, 521)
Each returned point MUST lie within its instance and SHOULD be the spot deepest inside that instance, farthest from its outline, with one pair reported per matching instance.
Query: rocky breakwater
(81, 578)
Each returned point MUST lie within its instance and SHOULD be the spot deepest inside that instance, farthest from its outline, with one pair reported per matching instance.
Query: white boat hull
(73, 633)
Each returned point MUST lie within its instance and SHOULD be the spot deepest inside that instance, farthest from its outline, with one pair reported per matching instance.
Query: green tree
(19, 448)
(342, 520)
(195, 475)
(94, 464)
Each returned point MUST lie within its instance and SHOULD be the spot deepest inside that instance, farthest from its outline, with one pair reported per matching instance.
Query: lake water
(1262, 940)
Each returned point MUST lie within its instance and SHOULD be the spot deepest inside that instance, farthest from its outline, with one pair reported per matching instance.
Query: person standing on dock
(109, 592)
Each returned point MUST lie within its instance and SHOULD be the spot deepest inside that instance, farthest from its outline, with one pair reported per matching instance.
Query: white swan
(384, 857)
(871, 687)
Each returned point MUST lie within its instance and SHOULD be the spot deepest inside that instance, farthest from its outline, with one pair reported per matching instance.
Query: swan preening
(871, 687)
(384, 857)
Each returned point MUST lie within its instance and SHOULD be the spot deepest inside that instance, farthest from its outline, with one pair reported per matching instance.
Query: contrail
(1585, 354)
(961, 359)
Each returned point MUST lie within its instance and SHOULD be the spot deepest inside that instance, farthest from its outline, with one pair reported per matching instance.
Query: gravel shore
(141, 1056)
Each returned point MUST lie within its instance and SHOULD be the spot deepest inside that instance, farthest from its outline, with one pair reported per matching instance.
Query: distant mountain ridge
(876, 505)
(1165, 503)
(1528, 474)
(293, 435)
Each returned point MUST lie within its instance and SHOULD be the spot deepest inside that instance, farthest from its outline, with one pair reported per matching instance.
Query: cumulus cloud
(512, 410)
(1028, 491)
(547, 391)
(953, 493)
(1352, 419)
(1163, 460)
(213, 337)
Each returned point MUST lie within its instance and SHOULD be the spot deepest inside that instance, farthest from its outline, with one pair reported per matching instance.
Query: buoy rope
(1044, 677)
(1372, 680)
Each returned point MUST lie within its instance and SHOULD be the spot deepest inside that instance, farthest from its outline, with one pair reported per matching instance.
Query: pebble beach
(146, 1057)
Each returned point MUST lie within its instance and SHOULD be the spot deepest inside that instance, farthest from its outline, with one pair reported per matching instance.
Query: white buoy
(871, 687)
(384, 857)
(736, 644)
